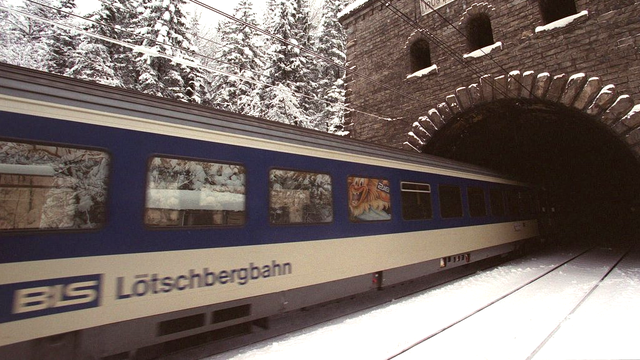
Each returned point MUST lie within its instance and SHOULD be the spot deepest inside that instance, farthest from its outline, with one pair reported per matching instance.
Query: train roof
(37, 86)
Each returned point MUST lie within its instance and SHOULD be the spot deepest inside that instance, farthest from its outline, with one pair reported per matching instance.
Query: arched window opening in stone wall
(553, 10)
(479, 32)
(420, 54)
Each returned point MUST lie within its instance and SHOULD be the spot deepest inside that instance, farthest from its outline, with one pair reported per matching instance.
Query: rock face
(589, 64)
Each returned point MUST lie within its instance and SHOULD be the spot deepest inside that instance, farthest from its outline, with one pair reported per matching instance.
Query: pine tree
(287, 68)
(240, 55)
(91, 61)
(62, 42)
(268, 17)
(105, 61)
(332, 45)
(307, 72)
(5, 37)
(163, 28)
(24, 38)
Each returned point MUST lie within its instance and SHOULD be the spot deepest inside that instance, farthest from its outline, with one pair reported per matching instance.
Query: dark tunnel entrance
(592, 178)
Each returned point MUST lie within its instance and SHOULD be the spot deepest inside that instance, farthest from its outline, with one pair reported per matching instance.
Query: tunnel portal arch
(598, 102)
(571, 134)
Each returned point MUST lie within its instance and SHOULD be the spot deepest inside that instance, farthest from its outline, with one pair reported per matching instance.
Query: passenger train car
(129, 223)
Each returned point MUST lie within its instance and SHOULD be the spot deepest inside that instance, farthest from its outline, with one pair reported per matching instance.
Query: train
(129, 223)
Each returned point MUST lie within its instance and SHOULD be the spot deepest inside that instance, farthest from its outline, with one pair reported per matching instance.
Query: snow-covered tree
(104, 61)
(4, 36)
(91, 61)
(307, 72)
(162, 25)
(205, 38)
(61, 41)
(24, 38)
(287, 70)
(240, 55)
(332, 45)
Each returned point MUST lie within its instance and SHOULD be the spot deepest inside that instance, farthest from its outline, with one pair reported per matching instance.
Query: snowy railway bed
(552, 305)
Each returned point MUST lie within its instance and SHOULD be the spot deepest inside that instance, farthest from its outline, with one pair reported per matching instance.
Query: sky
(86, 6)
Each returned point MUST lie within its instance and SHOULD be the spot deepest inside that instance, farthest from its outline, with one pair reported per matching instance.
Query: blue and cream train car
(129, 221)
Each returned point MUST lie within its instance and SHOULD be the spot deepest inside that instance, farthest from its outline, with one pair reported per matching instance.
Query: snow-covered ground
(515, 327)
(512, 328)
(606, 325)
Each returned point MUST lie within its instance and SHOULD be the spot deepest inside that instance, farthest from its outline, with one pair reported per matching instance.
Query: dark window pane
(497, 202)
(450, 201)
(480, 33)
(513, 203)
(526, 203)
(477, 205)
(553, 10)
(420, 55)
(416, 201)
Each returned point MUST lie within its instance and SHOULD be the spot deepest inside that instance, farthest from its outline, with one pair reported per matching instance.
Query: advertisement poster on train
(369, 199)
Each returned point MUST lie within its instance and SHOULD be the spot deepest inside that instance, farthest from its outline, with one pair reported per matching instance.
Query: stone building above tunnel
(545, 90)
(423, 64)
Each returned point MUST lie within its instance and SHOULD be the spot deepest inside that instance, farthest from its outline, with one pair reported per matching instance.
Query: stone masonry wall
(604, 44)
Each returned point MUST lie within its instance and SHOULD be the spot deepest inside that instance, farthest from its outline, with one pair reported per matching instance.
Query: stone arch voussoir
(475, 9)
(416, 35)
(601, 102)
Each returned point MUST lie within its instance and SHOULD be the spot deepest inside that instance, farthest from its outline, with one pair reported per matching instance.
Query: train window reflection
(194, 193)
(477, 206)
(369, 199)
(450, 201)
(298, 197)
(51, 187)
(416, 201)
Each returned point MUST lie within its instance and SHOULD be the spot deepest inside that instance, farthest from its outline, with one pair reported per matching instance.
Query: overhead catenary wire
(59, 10)
(216, 59)
(257, 29)
(181, 60)
(474, 68)
(303, 49)
(405, 18)
(491, 83)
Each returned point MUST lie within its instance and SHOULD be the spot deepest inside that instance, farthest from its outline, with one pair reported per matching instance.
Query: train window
(513, 202)
(416, 201)
(526, 203)
(450, 201)
(298, 197)
(496, 199)
(51, 187)
(369, 199)
(535, 206)
(477, 206)
(194, 193)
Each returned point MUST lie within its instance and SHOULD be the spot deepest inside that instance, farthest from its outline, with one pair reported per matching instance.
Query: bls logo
(38, 298)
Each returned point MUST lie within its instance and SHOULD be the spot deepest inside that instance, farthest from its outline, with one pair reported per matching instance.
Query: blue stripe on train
(130, 152)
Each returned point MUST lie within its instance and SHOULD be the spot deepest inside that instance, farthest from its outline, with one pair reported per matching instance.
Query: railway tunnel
(554, 102)
(591, 175)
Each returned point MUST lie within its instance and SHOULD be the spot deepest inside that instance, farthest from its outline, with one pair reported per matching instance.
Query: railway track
(514, 311)
(518, 324)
